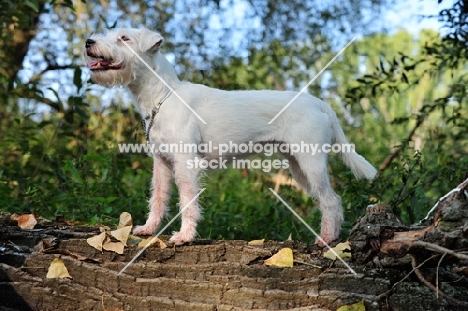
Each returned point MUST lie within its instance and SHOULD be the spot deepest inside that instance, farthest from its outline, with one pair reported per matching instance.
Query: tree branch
(438, 249)
(450, 299)
(389, 159)
(49, 67)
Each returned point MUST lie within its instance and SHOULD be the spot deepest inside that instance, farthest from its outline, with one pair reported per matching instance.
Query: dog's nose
(89, 43)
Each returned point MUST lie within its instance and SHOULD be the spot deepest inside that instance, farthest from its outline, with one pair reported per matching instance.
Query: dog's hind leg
(312, 169)
(297, 173)
(161, 186)
(187, 181)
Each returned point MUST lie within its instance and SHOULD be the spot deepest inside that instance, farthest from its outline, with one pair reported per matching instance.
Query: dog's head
(117, 56)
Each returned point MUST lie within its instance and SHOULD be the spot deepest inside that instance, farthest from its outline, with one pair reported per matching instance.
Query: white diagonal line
(438, 202)
(162, 80)
(159, 233)
(313, 79)
(313, 231)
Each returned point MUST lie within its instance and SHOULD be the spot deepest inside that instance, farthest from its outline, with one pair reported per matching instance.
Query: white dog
(174, 112)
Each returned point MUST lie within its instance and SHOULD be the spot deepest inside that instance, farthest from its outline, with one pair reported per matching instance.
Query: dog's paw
(325, 239)
(179, 238)
(143, 230)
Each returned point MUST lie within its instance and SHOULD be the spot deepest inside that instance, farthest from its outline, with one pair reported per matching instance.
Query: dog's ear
(150, 41)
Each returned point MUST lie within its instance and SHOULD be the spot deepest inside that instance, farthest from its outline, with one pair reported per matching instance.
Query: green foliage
(238, 205)
(47, 168)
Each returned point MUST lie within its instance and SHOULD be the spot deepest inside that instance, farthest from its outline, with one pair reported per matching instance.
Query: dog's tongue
(98, 64)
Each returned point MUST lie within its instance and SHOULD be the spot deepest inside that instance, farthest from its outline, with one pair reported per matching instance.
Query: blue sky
(408, 15)
(405, 14)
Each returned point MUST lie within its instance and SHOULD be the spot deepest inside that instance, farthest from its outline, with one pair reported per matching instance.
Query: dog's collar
(154, 112)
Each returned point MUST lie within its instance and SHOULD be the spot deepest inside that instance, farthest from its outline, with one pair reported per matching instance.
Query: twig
(328, 268)
(50, 67)
(406, 276)
(308, 264)
(437, 273)
(389, 159)
(439, 249)
(433, 288)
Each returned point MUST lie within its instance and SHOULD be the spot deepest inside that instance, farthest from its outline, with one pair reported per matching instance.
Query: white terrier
(174, 112)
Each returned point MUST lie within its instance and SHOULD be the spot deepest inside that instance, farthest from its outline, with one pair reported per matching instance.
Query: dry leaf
(257, 242)
(96, 241)
(133, 240)
(76, 256)
(117, 247)
(122, 234)
(125, 220)
(57, 269)
(25, 221)
(162, 245)
(342, 249)
(62, 220)
(46, 244)
(283, 258)
(14, 217)
(145, 242)
(44, 221)
(358, 306)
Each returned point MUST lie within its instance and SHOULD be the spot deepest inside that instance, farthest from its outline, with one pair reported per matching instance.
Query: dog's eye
(124, 38)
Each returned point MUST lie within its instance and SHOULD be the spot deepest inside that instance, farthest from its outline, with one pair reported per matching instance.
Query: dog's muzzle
(89, 43)
(99, 62)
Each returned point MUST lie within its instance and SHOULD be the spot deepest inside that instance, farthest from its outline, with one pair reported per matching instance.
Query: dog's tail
(360, 167)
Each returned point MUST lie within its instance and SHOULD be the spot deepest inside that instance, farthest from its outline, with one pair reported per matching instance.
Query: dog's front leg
(188, 184)
(161, 189)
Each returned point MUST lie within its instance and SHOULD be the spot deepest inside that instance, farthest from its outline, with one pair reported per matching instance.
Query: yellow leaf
(162, 245)
(122, 234)
(125, 220)
(25, 221)
(57, 269)
(283, 258)
(257, 242)
(343, 246)
(358, 306)
(339, 250)
(145, 242)
(117, 247)
(96, 241)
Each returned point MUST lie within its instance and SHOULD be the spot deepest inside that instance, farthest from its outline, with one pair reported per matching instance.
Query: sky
(406, 14)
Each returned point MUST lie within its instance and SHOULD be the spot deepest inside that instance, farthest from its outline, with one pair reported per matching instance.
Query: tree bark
(205, 275)
(22, 21)
(398, 267)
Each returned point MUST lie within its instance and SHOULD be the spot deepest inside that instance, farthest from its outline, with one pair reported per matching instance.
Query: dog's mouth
(102, 63)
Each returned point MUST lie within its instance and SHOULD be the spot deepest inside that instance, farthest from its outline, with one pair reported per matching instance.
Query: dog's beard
(109, 66)
(112, 77)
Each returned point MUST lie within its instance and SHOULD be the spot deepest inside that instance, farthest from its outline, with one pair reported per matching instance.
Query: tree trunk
(232, 275)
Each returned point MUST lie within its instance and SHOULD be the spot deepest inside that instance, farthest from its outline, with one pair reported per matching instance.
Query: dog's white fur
(237, 116)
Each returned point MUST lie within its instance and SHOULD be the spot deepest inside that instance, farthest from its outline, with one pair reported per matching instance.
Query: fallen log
(398, 267)
(380, 239)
